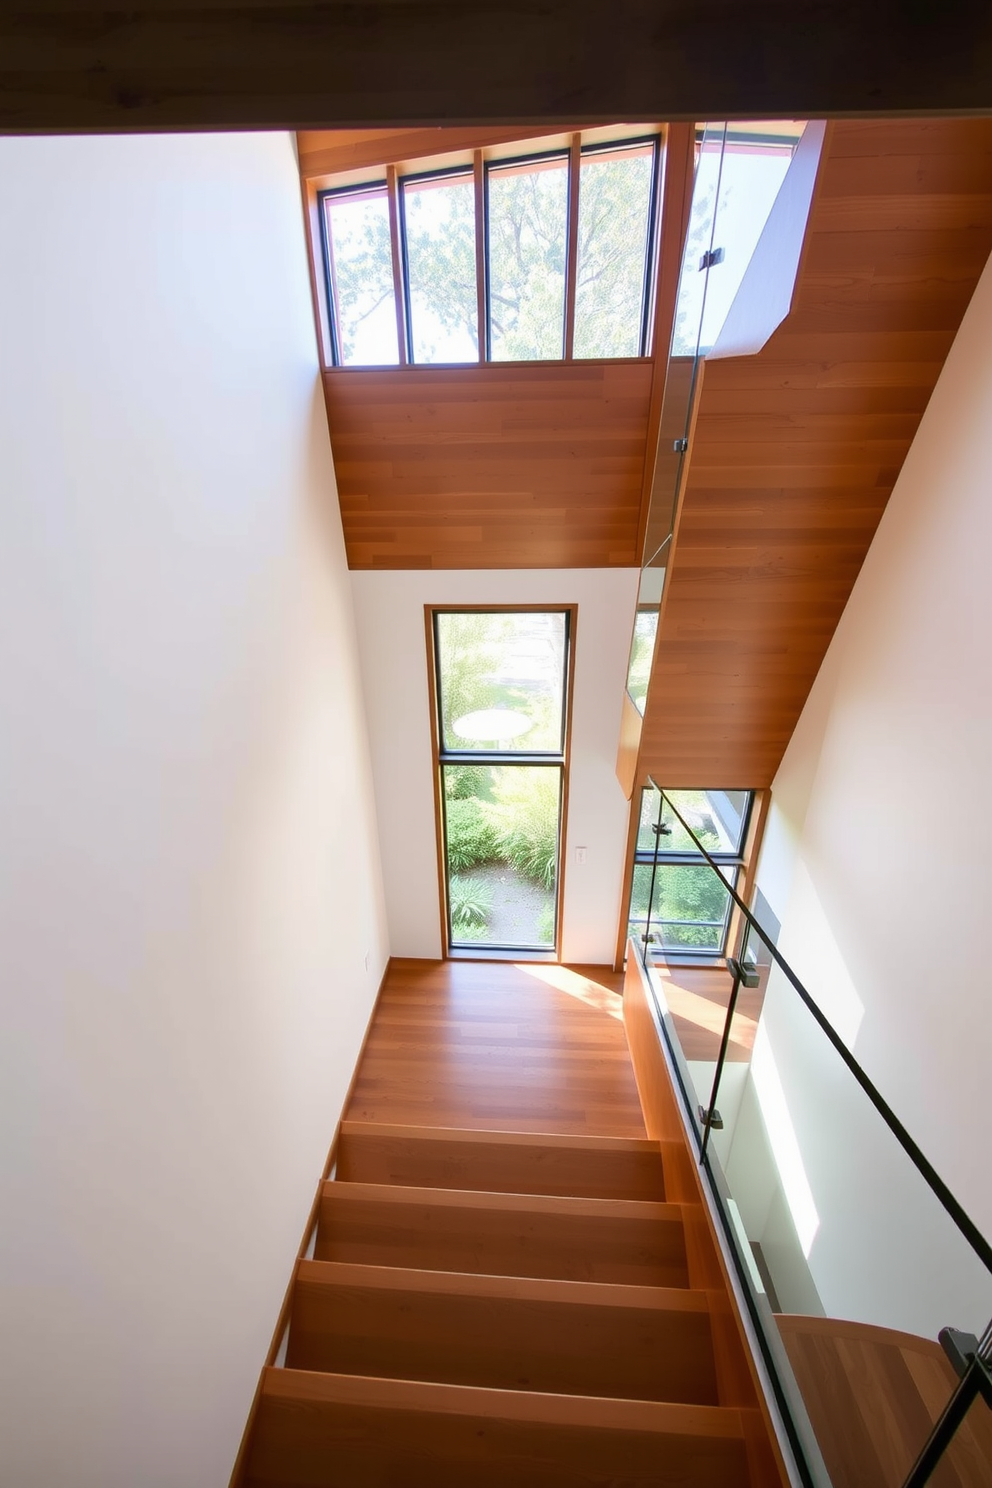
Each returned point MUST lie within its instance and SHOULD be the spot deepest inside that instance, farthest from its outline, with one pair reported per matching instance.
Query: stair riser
(494, 1169)
(634, 1254)
(504, 1343)
(348, 1446)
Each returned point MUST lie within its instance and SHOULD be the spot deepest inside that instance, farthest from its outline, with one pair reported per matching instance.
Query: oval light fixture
(492, 723)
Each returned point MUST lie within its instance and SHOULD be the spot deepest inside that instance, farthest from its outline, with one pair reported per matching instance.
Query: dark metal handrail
(938, 1187)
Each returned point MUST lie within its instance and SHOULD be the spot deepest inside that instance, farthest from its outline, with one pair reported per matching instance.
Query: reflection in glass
(501, 825)
(497, 672)
(645, 632)
(439, 227)
(614, 238)
(641, 655)
(360, 266)
(528, 210)
(718, 819)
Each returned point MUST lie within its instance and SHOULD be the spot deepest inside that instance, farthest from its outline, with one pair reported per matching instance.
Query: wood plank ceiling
(525, 466)
(796, 449)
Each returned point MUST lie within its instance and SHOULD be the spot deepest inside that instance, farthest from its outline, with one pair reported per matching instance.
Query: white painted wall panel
(877, 861)
(188, 865)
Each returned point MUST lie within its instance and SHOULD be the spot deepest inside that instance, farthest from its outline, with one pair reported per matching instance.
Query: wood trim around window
(452, 606)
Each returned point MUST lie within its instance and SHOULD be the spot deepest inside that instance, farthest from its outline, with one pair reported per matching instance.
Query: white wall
(877, 862)
(188, 870)
(390, 613)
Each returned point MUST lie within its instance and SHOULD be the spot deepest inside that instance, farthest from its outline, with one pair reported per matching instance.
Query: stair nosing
(599, 1412)
(355, 1274)
(398, 1194)
(489, 1137)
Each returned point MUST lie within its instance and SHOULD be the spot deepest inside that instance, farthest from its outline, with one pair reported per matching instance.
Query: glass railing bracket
(745, 971)
(959, 1347)
(711, 1118)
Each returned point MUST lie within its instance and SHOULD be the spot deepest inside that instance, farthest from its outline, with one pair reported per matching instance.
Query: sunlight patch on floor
(705, 1013)
(580, 987)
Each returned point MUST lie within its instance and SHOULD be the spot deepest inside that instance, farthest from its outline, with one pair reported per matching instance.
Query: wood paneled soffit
(796, 449)
(502, 466)
(229, 64)
(326, 152)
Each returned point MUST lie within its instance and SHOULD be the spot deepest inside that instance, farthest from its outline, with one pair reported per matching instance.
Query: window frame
(469, 172)
(477, 163)
(327, 261)
(567, 297)
(441, 756)
(653, 245)
(740, 861)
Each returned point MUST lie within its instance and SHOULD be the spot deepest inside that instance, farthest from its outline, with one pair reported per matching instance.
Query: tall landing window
(501, 690)
(689, 905)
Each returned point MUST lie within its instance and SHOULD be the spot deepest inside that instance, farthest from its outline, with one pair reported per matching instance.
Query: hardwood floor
(499, 1046)
(697, 997)
(873, 1397)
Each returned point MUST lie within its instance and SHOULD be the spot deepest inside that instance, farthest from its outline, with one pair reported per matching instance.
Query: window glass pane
(718, 819)
(502, 680)
(640, 889)
(501, 845)
(694, 275)
(528, 210)
(614, 231)
(755, 160)
(689, 909)
(691, 906)
(360, 262)
(650, 808)
(439, 223)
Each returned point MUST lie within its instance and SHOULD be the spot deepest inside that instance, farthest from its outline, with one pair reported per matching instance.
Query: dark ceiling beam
(166, 64)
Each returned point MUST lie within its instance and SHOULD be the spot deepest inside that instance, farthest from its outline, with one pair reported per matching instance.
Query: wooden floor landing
(698, 997)
(499, 1046)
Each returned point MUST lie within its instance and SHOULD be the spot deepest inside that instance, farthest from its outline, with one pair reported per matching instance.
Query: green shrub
(525, 816)
(471, 902)
(546, 924)
(472, 837)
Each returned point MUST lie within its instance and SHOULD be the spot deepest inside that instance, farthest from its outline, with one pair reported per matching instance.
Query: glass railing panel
(755, 159)
(739, 171)
(649, 591)
(639, 910)
(680, 380)
(699, 241)
(854, 1255)
(860, 1262)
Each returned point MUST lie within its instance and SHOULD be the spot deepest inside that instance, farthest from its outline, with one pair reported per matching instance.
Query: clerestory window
(539, 256)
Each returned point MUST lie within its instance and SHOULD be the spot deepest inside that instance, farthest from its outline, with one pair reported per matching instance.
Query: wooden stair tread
(630, 1241)
(568, 1337)
(500, 1162)
(317, 1430)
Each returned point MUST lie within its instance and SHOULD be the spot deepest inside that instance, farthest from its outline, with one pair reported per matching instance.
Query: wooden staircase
(491, 1308)
(479, 1307)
